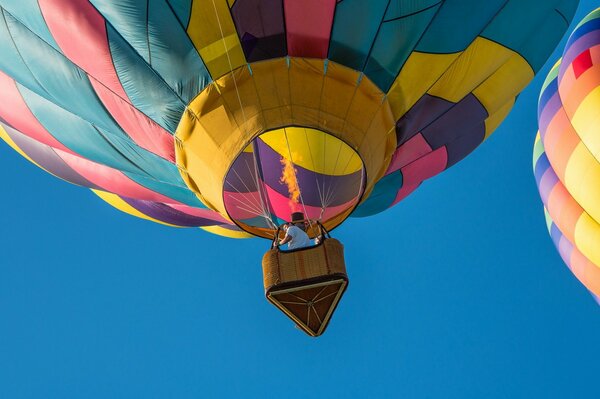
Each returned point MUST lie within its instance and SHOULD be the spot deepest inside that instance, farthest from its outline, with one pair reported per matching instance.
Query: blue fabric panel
(456, 25)
(547, 94)
(395, 41)
(584, 29)
(63, 82)
(541, 166)
(146, 91)
(28, 13)
(382, 196)
(159, 39)
(355, 25)
(11, 62)
(183, 10)
(531, 28)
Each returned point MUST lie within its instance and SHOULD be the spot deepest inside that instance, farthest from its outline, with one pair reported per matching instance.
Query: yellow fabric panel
(231, 3)
(116, 201)
(586, 121)
(314, 150)
(419, 73)
(494, 120)
(504, 83)
(587, 237)
(222, 120)
(474, 65)
(4, 136)
(226, 232)
(213, 33)
(582, 180)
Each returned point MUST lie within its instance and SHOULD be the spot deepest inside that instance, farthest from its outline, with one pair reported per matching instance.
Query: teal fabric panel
(382, 197)
(355, 25)
(147, 92)
(11, 62)
(456, 25)
(61, 81)
(398, 35)
(158, 37)
(28, 13)
(531, 28)
(183, 10)
(178, 191)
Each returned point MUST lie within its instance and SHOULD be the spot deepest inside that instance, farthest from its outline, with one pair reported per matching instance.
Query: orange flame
(288, 177)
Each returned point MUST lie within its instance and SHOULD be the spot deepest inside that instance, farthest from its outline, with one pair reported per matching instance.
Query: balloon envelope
(230, 115)
(567, 152)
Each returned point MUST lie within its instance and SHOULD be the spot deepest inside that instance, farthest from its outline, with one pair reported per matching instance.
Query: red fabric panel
(582, 63)
(308, 27)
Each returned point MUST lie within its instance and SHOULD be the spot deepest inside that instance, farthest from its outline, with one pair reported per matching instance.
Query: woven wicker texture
(282, 267)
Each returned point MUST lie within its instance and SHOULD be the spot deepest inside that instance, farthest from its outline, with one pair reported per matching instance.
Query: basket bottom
(309, 303)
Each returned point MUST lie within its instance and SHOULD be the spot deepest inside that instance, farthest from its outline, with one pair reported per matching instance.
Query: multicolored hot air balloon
(233, 115)
(230, 115)
(566, 154)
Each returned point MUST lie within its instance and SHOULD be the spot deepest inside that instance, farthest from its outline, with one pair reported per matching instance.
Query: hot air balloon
(232, 115)
(566, 153)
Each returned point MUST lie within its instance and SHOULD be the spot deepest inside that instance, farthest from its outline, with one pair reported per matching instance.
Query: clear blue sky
(457, 292)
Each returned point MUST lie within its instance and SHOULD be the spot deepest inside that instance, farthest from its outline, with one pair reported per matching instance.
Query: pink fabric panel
(16, 113)
(80, 32)
(423, 168)
(242, 205)
(202, 213)
(112, 180)
(144, 131)
(308, 27)
(281, 207)
(413, 149)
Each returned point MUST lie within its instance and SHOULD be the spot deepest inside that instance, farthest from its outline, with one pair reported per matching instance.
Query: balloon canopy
(566, 154)
(231, 115)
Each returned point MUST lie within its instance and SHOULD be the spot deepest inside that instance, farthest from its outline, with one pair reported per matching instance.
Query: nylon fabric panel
(150, 95)
(261, 28)
(182, 9)
(314, 144)
(28, 13)
(457, 24)
(14, 111)
(397, 37)
(355, 27)
(534, 27)
(213, 33)
(308, 27)
(158, 37)
(63, 83)
(118, 203)
(80, 30)
(11, 62)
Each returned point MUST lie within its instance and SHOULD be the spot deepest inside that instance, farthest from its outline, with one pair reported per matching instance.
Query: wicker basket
(306, 284)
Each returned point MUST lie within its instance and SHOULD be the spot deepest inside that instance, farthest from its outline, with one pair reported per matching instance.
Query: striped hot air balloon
(566, 154)
(231, 115)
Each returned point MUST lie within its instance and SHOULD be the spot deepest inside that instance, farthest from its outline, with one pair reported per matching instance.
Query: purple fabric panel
(461, 129)
(242, 174)
(583, 43)
(548, 113)
(47, 158)
(260, 27)
(313, 186)
(547, 183)
(423, 113)
(565, 249)
(166, 214)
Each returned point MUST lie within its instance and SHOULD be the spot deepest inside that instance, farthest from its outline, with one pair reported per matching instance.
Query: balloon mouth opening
(290, 171)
